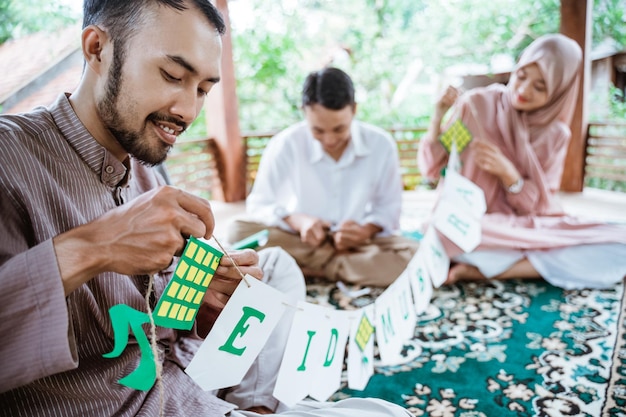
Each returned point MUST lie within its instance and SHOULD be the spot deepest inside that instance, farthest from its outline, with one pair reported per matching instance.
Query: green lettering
(334, 336)
(302, 366)
(240, 329)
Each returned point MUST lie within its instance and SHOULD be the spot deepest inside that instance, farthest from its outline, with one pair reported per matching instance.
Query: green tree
(399, 52)
(18, 17)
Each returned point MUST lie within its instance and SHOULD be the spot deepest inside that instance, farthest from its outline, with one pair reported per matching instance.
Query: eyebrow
(187, 65)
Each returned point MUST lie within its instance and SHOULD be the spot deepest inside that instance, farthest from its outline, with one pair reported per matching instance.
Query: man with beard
(86, 224)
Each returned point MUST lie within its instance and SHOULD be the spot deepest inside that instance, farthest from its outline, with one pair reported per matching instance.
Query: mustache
(157, 117)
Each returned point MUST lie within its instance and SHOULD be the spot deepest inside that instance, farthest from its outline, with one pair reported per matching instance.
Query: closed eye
(169, 77)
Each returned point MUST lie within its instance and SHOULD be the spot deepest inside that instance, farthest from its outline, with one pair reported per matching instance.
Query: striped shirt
(54, 176)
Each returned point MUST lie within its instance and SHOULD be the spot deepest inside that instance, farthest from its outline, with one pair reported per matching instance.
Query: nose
(523, 87)
(186, 105)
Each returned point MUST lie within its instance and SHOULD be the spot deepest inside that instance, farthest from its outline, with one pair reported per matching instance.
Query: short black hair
(329, 87)
(120, 18)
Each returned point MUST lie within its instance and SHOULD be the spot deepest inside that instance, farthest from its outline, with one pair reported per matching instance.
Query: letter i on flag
(303, 354)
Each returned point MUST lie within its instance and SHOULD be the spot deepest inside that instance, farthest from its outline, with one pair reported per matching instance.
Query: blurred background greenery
(400, 53)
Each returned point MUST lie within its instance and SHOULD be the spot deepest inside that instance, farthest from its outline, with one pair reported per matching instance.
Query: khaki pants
(376, 264)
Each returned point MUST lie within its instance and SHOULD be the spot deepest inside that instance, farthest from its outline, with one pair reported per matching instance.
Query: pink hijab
(558, 58)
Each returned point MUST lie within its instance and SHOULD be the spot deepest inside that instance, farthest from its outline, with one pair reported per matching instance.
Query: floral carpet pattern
(513, 348)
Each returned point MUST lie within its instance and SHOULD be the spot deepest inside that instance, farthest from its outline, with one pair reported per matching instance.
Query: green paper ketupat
(177, 309)
(178, 306)
(457, 133)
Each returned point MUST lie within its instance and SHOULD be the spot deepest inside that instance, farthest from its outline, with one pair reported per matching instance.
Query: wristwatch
(516, 187)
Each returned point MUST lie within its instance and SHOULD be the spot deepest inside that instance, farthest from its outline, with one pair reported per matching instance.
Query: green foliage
(617, 104)
(609, 22)
(398, 52)
(18, 17)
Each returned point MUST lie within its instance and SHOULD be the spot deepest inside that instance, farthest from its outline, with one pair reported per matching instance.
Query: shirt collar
(110, 170)
(356, 148)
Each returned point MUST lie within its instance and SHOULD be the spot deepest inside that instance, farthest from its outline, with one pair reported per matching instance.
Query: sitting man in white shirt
(329, 190)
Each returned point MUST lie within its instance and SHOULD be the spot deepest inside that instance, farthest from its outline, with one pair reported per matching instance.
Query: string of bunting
(316, 346)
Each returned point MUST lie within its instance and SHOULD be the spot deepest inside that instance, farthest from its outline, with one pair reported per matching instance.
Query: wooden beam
(576, 23)
(222, 117)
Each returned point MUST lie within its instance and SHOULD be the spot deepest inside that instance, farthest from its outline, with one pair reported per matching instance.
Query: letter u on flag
(238, 335)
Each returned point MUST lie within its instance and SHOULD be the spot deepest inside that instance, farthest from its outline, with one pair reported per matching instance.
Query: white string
(233, 261)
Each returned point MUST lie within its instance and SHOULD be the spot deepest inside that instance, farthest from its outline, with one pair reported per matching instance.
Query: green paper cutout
(456, 133)
(177, 308)
(123, 317)
(253, 241)
(179, 304)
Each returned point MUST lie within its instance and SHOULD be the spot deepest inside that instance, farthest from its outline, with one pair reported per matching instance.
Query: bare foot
(463, 272)
(260, 409)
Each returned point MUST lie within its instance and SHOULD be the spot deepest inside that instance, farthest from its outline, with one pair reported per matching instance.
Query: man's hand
(223, 284)
(312, 230)
(489, 158)
(139, 237)
(350, 234)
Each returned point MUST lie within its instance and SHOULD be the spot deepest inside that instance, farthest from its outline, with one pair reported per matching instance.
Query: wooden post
(576, 24)
(222, 117)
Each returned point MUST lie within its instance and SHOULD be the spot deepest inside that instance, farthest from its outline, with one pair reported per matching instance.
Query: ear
(94, 40)
(354, 109)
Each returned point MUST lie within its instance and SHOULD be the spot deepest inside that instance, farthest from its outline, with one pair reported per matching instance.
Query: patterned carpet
(516, 348)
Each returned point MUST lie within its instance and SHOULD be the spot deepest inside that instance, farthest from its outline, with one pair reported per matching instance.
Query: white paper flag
(464, 194)
(461, 227)
(304, 354)
(420, 282)
(436, 259)
(238, 335)
(388, 322)
(404, 306)
(361, 348)
(327, 378)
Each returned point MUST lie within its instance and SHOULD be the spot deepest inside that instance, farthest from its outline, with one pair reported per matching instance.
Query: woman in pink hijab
(520, 137)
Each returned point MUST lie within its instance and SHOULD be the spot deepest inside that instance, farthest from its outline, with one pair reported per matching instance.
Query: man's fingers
(201, 209)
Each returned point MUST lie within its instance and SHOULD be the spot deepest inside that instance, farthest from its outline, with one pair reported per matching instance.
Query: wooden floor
(592, 204)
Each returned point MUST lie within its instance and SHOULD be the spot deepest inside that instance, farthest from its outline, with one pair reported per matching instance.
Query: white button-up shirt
(296, 176)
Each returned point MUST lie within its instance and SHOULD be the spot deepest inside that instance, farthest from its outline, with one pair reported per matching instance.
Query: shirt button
(109, 169)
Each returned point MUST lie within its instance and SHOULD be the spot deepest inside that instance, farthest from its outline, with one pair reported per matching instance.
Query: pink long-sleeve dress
(568, 252)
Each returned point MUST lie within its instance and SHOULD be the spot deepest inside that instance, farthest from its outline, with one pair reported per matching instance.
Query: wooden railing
(194, 165)
(406, 138)
(605, 161)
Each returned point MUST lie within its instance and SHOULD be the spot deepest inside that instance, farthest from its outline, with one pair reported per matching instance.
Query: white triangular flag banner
(303, 354)
(327, 378)
(404, 307)
(463, 229)
(361, 348)
(464, 194)
(420, 282)
(238, 335)
(435, 256)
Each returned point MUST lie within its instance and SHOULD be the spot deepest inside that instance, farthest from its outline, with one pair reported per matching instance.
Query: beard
(134, 141)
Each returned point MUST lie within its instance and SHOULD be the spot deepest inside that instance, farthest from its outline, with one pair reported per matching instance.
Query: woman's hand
(490, 159)
(447, 100)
